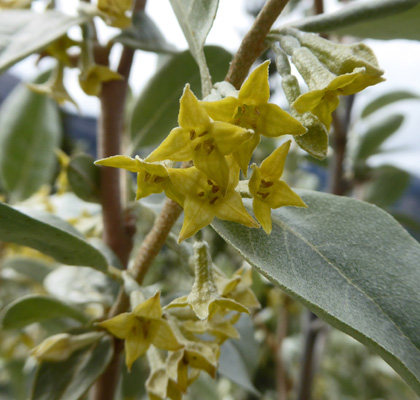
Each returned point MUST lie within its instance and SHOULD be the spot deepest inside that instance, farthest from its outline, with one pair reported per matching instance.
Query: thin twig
(253, 44)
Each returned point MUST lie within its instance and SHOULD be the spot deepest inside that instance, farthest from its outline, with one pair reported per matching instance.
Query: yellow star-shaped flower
(199, 139)
(151, 177)
(204, 200)
(141, 328)
(268, 191)
(251, 110)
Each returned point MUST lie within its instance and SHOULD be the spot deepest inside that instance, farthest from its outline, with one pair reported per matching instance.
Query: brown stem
(253, 43)
(281, 334)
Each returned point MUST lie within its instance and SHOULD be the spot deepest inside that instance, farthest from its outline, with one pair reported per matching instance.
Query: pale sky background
(399, 58)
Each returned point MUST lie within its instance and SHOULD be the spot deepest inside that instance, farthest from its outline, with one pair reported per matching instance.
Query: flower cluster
(219, 137)
(172, 337)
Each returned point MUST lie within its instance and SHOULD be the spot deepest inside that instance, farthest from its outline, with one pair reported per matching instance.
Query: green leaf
(30, 131)
(387, 186)
(144, 35)
(351, 264)
(387, 99)
(377, 19)
(49, 235)
(32, 268)
(196, 18)
(84, 177)
(376, 135)
(24, 32)
(35, 308)
(156, 111)
(233, 367)
(70, 379)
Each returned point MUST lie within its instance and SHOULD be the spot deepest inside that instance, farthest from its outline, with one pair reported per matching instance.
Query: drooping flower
(115, 12)
(251, 110)
(151, 177)
(204, 200)
(325, 87)
(268, 191)
(141, 328)
(92, 77)
(199, 139)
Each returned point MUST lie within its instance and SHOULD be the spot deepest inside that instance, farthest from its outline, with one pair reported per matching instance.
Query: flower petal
(191, 114)
(123, 162)
(229, 137)
(262, 213)
(273, 122)
(308, 101)
(221, 110)
(198, 214)
(213, 165)
(162, 336)
(145, 188)
(186, 180)
(255, 181)
(272, 166)
(281, 195)
(244, 153)
(120, 325)
(231, 208)
(176, 147)
(255, 90)
(136, 344)
(150, 308)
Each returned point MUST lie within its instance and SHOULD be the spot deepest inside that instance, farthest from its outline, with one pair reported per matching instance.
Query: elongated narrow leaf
(30, 131)
(50, 235)
(350, 263)
(70, 379)
(387, 99)
(23, 32)
(196, 19)
(375, 19)
(377, 134)
(156, 111)
(34, 308)
(30, 268)
(232, 366)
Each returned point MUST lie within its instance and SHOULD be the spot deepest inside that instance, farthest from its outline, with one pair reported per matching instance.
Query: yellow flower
(151, 177)
(91, 79)
(199, 139)
(141, 328)
(238, 287)
(268, 191)
(159, 385)
(196, 355)
(325, 87)
(251, 110)
(204, 200)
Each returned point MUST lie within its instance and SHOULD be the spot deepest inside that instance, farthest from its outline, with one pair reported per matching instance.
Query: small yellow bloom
(202, 356)
(199, 139)
(141, 328)
(268, 190)
(159, 385)
(204, 200)
(326, 87)
(251, 110)
(151, 177)
(91, 79)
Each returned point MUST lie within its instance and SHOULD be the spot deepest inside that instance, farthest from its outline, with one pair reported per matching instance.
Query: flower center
(210, 194)
(151, 178)
(264, 190)
(247, 116)
(202, 141)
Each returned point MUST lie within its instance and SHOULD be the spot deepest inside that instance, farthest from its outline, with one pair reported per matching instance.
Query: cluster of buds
(184, 338)
(330, 70)
(220, 136)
